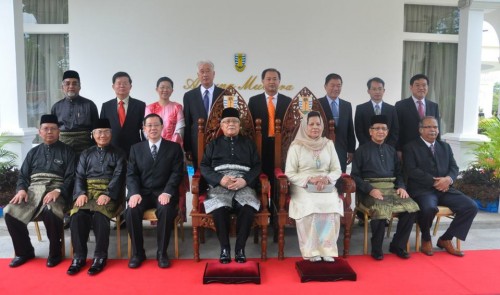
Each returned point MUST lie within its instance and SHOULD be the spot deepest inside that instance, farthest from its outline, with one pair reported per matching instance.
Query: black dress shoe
(240, 256)
(377, 255)
(136, 261)
(163, 261)
(76, 266)
(20, 260)
(53, 261)
(399, 252)
(225, 256)
(97, 266)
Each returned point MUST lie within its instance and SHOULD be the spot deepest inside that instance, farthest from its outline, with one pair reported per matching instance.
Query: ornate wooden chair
(285, 132)
(200, 220)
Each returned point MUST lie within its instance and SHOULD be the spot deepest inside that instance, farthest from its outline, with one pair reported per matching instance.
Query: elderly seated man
(43, 192)
(231, 167)
(99, 191)
(377, 172)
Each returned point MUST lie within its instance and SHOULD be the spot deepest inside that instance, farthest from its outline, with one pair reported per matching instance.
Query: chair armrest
(281, 180)
(265, 187)
(346, 186)
(195, 190)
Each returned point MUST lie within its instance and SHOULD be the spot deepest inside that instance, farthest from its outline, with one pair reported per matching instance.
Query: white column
(13, 118)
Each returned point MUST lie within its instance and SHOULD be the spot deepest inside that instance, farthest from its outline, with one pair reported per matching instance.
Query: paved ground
(485, 234)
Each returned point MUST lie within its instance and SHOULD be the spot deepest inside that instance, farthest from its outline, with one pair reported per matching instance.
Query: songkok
(71, 74)
(49, 119)
(379, 119)
(102, 123)
(230, 112)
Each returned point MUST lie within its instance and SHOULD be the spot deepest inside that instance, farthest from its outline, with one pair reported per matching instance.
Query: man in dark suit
(197, 104)
(154, 172)
(431, 171)
(125, 114)
(340, 111)
(376, 106)
(261, 109)
(411, 110)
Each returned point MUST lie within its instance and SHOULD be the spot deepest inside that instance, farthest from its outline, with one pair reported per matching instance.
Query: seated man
(376, 170)
(231, 167)
(431, 170)
(45, 179)
(99, 189)
(154, 173)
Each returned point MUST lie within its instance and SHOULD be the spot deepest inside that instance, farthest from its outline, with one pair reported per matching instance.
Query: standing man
(268, 107)
(154, 172)
(100, 176)
(125, 114)
(411, 110)
(376, 170)
(43, 193)
(197, 104)
(431, 170)
(340, 111)
(376, 106)
(76, 114)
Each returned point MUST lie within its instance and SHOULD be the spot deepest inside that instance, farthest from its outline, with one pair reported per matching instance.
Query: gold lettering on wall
(249, 84)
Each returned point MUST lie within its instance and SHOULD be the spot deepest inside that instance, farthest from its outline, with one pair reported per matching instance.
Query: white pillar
(13, 118)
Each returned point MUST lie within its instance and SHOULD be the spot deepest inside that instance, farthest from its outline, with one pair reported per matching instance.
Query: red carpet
(476, 273)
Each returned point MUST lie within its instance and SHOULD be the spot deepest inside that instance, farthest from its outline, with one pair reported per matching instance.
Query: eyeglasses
(231, 121)
(152, 125)
(67, 84)
(430, 127)
(49, 129)
(379, 128)
(102, 132)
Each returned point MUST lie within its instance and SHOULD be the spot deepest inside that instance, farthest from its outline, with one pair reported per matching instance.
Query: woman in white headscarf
(313, 168)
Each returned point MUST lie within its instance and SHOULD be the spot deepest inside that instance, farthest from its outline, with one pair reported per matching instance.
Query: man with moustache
(431, 170)
(197, 104)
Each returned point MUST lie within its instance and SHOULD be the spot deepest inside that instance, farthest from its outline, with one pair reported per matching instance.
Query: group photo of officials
(132, 157)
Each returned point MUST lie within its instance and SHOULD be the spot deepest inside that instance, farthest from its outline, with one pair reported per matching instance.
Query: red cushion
(325, 271)
(232, 273)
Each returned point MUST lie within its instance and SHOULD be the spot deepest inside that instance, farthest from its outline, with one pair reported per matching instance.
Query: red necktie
(271, 113)
(121, 113)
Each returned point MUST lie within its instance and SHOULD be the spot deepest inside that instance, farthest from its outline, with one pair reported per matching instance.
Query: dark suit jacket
(421, 166)
(131, 132)
(409, 119)
(362, 122)
(345, 141)
(152, 178)
(194, 110)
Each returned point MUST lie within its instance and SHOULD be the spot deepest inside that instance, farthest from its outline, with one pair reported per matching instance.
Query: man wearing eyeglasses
(43, 192)
(431, 170)
(99, 180)
(380, 187)
(154, 173)
(231, 167)
(77, 115)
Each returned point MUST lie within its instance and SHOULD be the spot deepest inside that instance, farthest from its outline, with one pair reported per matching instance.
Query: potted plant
(482, 180)
(8, 173)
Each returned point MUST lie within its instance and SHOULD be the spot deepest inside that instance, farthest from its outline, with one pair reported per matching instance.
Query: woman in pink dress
(169, 111)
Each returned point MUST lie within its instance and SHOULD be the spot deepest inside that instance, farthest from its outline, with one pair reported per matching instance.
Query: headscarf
(303, 139)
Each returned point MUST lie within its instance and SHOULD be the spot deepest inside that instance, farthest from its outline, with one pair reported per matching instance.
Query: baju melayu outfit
(235, 156)
(316, 214)
(77, 117)
(46, 168)
(376, 166)
(173, 120)
(100, 171)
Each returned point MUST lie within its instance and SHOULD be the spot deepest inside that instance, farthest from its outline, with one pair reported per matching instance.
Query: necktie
(420, 109)
(377, 109)
(154, 152)
(335, 111)
(271, 112)
(121, 113)
(206, 101)
(433, 150)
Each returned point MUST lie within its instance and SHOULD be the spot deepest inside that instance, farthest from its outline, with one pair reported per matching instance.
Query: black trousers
(166, 216)
(80, 226)
(463, 206)
(244, 221)
(21, 239)
(400, 238)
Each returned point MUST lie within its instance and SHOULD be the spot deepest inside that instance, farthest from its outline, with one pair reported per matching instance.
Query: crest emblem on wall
(240, 60)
